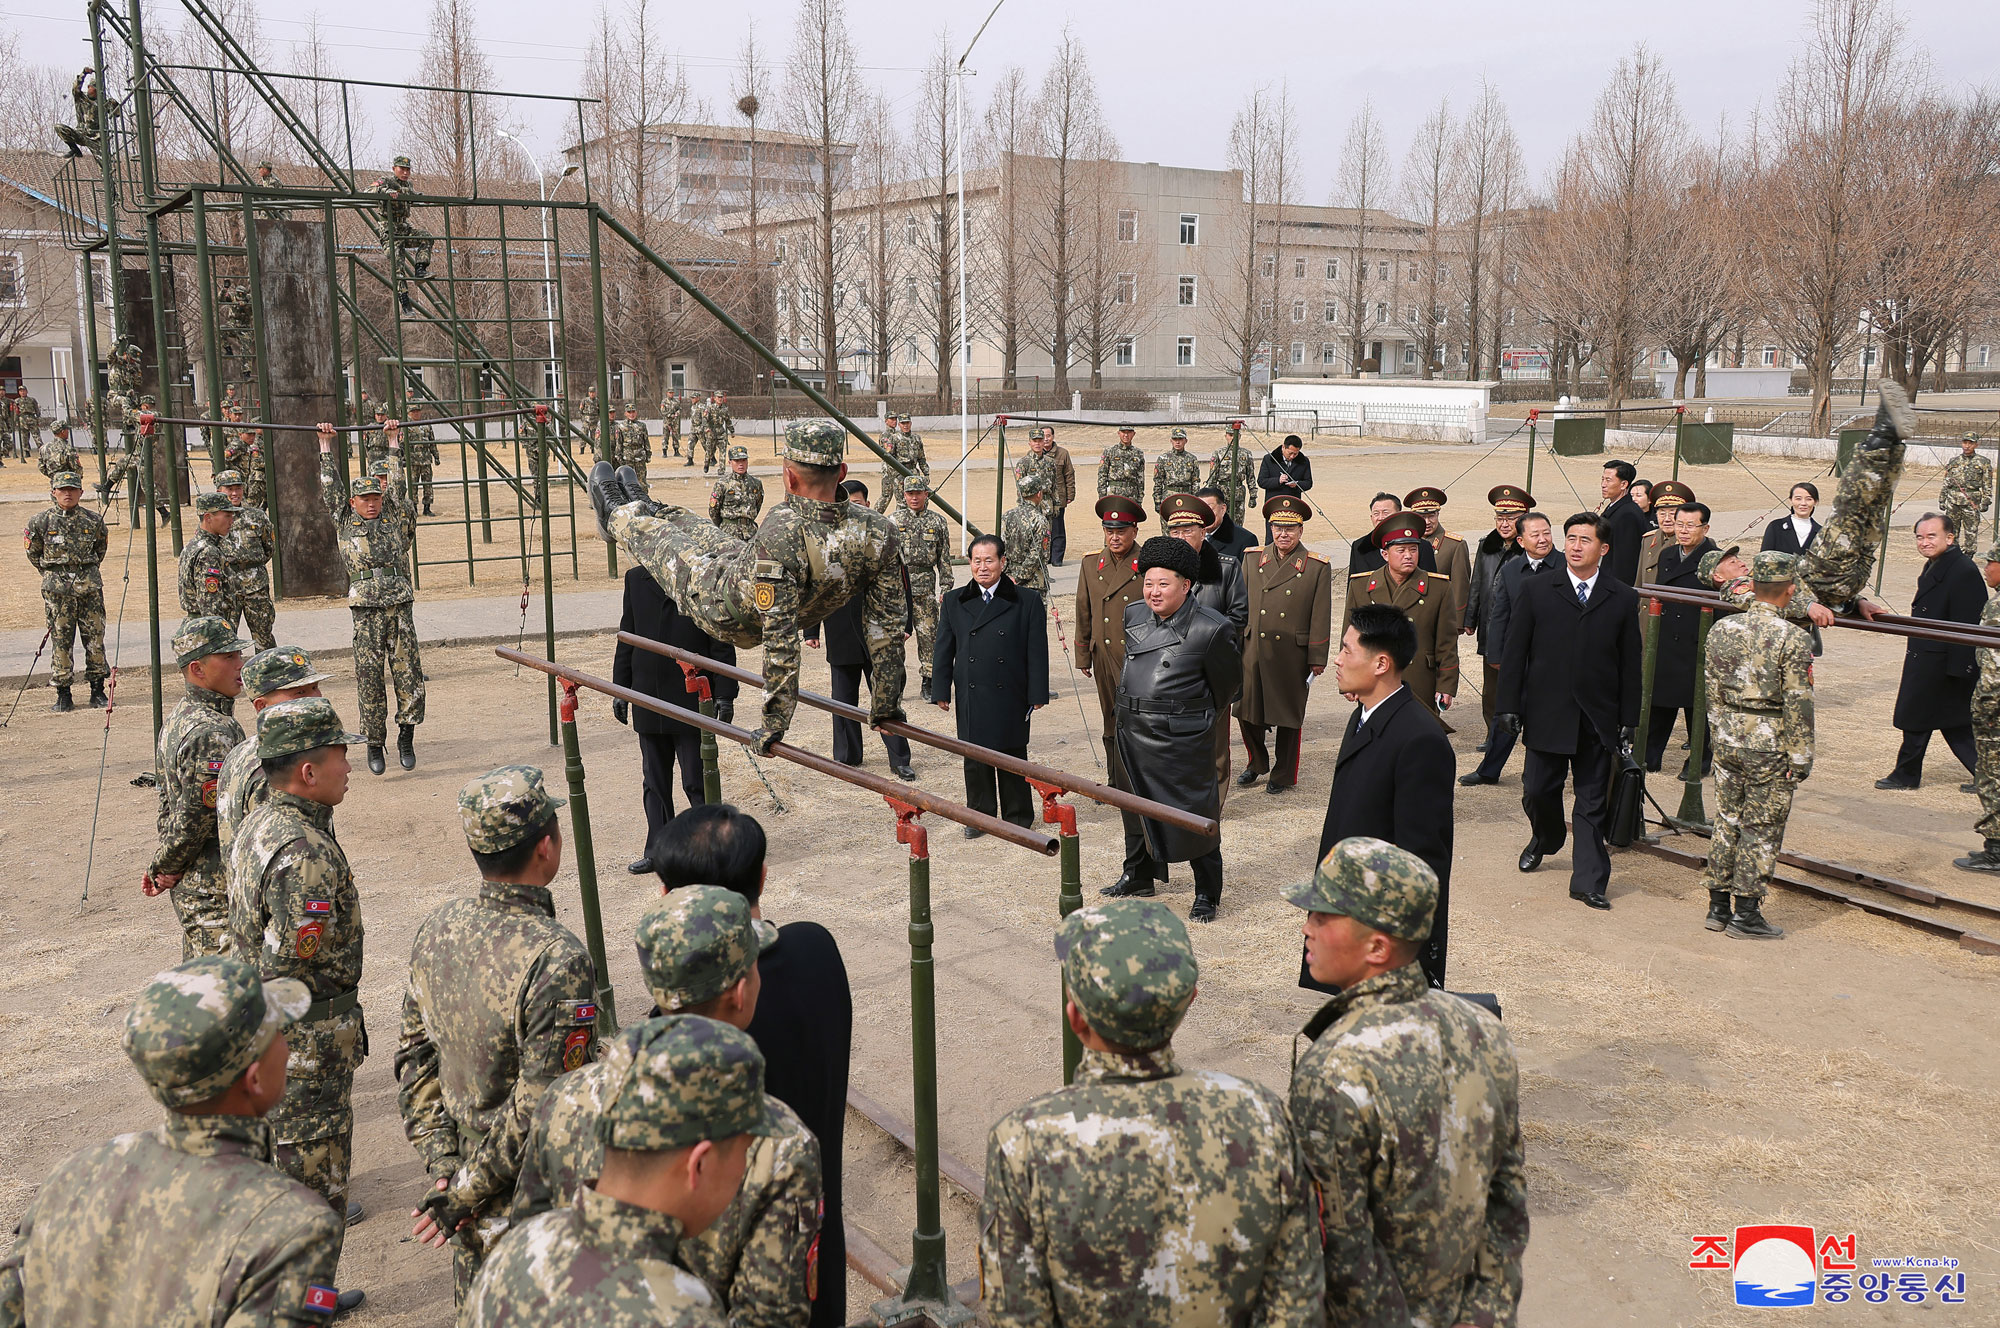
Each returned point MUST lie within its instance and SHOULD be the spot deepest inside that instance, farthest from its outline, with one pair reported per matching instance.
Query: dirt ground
(1674, 1082)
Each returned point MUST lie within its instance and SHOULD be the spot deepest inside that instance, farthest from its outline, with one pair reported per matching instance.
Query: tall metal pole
(603, 366)
(586, 859)
(100, 426)
(548, 560)
(964, 423)
(211, 355)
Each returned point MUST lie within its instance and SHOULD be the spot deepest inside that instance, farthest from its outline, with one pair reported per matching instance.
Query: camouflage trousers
(696, 562)
(924, 607)
(262, 617)
(421, 479)
(670, 438)
(711, 443)
(385, 639)
(78, 611)
(416, 246)
(1986, 774)
(1965, 520)
(1837, 565)
(1753, 799)
(738, 527)
(313, 1123)
(201, 902)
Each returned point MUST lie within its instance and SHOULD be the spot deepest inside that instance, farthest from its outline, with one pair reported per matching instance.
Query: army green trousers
(78, 611)
(312, 1127)
(1986, 774)
(201, 902)
(385, 642)
(1753, 800)
(1837, 565)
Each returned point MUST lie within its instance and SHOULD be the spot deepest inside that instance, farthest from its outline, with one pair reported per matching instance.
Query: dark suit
(1782, 536)
(997, 651)
(847, 660)
(1393, 781)
(1274, 472)
(1571, 672)
(1676, 668)
(1628, 529)
(1506, 593)
(662, 741)
(1936, 690)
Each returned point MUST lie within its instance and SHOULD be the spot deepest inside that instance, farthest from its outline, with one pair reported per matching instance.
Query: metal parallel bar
(1110, 797)
(916, 797)
(345, 428)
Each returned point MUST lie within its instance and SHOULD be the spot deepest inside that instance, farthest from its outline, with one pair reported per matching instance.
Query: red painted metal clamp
(1055, 813)
(908, 831)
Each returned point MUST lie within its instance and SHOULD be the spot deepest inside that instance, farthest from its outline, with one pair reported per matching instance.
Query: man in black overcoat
(993, 644)
(1676, 665)
(1936, 691)
(1625, 522)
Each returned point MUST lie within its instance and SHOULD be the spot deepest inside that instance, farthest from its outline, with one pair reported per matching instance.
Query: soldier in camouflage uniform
(374, 442)
(376, 532)
(1144, 1195)
(698, 949)
(1836, 567)
(421, 441)
(66, 543)
(630, 446)
(907, 448)
(592, 423)
(207, 579)
(499, 1003)
(1407, 1106)
(232, 308)
(27, 423)
(1967, 490)
(1725, 570)
(813, 553)
(1178, 471)
(1233, 470)
(1122, 469)
(690, 1105)
(721, 428)
(737, 498)
(83, 99)
(294, 911)
(670, 425)
(926, 544)
(194, 743)
(59, 454)
(698, 412)
(270, 677)
(1026, 532)
(186, 1223)
(1040, 462)
(1986, 732)
(415, 245)
(1759, 678)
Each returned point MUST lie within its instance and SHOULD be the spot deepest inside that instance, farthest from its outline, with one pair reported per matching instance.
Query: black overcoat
(1178, 674)
(648, 612)
(1936, 691)
(1677, 667)
(997, 655)
(1566, 662)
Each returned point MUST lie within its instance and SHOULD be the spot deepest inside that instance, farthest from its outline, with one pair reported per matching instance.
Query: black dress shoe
(905, 773)
(1894, 783)
(973, 832)
(1248, 778)
(1594, 901)
(1531, 856)
(1476, 778)
(639, 868)
(1279, 788)
(1127, 887)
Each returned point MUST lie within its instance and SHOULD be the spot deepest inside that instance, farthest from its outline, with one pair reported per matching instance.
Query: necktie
(1583, 592)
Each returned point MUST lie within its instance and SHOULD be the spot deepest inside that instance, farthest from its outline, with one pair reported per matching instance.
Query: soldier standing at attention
(1039, 459)
(698, 949)
(1454, 559)
(1286, 643)
(591, 422)
(1967, 491)
(1026, 533)
(376, 532)
(187, 1223)
(499, 1003)
(423, 457)
(720, 429)
(207, 579)
(284, 673)
(737, 498)
(1144, 1195)
(1106, 582)
(926, 545)
(1122, 468)
(762, 591)
(910, 447)
(28, 424)
(698, 413)
(294, 911)
(1234, 471)
(413, 244)
(1425, 598)
(1759, 674)
(66, 542)
(1177, 471)
(1407, 1106)
(677, 1130)
(60, 454)
(1986, 731)
(631, 446)
(670, 424)
(194, 742)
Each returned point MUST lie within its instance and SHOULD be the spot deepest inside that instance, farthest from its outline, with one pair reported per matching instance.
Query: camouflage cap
(404, 162)
(1130, 969)
(362, 485)
(225, 478)
(206, 504)
(500, 807)
(200, 637)
(195, 1029)
(66, 479)
(916, 484)
(1029, 483)
(816, 442)
(688, 1079)
(60, 427)
(304, 724)
(1177, 436)
(149, 399)
(1377, 884)
(1713, 559)
(1773, 566)
(280, 667)
(1992, 555)
(697, 943)
(739, 453)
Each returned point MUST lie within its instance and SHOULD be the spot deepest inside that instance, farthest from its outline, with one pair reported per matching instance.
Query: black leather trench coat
(1178, 674)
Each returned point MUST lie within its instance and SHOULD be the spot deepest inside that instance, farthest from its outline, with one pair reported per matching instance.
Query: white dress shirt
(1586, 586)
(1368, 710)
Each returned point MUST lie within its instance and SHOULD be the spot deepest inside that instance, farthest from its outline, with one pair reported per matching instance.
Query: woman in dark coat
(1181, 668)
(1795, 533)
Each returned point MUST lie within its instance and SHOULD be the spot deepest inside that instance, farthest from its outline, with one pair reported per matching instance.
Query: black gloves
(1511, 723)
(621, 711)
(726, 711)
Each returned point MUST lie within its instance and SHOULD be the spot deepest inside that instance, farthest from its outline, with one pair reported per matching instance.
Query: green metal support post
(144, 484)
(97, 427)
(1529, 484)
(1063, 816)
(101, 427)
(603, 367)
(999, 479)
(586, 861)
(1693, 815)
(548, 561)
(1651, 664)
(1680, 423)
(211, 356)
(267, 442)
(711, 765)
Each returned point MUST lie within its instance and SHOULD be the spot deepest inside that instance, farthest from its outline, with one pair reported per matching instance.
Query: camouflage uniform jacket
(1238, 483)
(499, 1003)
(66, 547)
(1175, 472)
(57, 455)
(395, 196)
(182, 1226)
(759, 1258)
(207, 580)
(1759, 673)
(698, 419)
(252, 541)
(630, 445)
(910, 451)
(420, 442)
(603, 1262)
(294, 910)
(1122, 470)
(1407, 1109)
(27, 413)
(1043, 464)
(1986, 688)
(242, 789)
(1026, 532)
(926, 545)
(1968, 483)
(1142, 1195)
(721, 422)
(736, 498)
(194, 742)
(376, 552)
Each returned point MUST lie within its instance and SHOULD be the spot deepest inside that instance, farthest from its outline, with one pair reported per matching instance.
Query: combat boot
(1985, 860)
(1749, 925)
(1894, 420)
(925, 691)
(406, 746)
(98, 700)
(1718, 910)
(63, 704)
(375, 763)
(606, 497)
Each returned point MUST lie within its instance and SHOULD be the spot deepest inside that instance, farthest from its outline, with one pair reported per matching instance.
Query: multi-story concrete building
(706, 169)
(42, 346)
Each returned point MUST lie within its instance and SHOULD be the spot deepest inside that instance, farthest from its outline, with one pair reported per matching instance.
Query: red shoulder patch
(306, 942)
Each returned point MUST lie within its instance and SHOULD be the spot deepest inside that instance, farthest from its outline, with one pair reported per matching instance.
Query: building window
(784, 249)
(1985, 356)
(1513, 273)
(1190, 228)
(1122, 352)
(1382, 271)
(1329, 352)
(1128, 289)
(1333, 311)
(839, 295)
(1507, 319)
(1187, 291)
(1770, 356)
(1128, 225)
(1333, 269)
(100, 279)
(910, 352)
(1409, 356)
(1299, 268)
(1266, 310)
(1381, 312)
(910, 229)
(910, 289)
(1270, 266)
(1410, 273)
(1298, 311)
(1184, 351)
(1411, 317)
(13, 279)
(1298, 352)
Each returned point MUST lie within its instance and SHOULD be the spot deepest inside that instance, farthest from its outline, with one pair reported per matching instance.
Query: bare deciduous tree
(1004, 273)
(931, 226)
(1362, 184)
(821, 98)
(1246, 271)
(1068, 126)
(878, 170)
(1430, 188)
(1487, 164)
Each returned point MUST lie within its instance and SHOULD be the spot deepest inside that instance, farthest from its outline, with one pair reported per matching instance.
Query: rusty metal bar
(1923, 629)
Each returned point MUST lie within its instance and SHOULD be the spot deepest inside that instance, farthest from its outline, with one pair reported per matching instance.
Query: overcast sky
(1171, 73)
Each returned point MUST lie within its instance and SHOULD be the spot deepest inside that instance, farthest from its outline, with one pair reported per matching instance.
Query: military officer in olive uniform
(500, 1001)
(283, 673)
(186, 1223)
(926, 544)
(1425, 598)
(194, 743)
(1106, 582)
(737, 498)
(1286, 643)
(1177, 471)
(252, 541)
(207, 579)
(1454, 559)
(1122, 468)
(66, 543)
(294, 911)
(1026, 532)
(1669, 496)
(698, 950)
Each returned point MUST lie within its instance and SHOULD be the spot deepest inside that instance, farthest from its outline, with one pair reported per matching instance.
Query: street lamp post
(964, 331)
(552, 380)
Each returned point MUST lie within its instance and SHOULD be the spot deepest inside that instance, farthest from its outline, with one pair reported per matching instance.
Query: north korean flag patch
(318, 906)
(321, 1299)
(580, 1012)
(214, 766)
